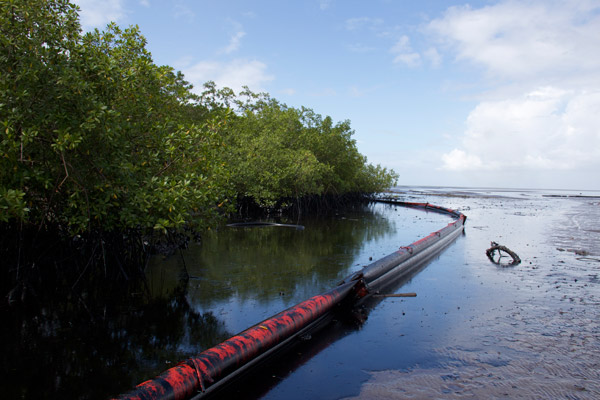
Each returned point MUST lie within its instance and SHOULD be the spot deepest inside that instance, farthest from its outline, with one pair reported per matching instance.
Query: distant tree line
(96, 137)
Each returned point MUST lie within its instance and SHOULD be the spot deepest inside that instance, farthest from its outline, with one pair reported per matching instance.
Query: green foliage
(275, 151)
(94, 134)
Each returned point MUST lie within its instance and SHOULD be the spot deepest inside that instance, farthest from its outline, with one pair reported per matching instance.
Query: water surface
(245, 275)
(474, 330)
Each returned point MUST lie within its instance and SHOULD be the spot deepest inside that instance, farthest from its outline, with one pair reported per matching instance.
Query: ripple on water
(544, 341)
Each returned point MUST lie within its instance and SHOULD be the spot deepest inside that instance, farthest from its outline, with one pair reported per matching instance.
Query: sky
(447, 93)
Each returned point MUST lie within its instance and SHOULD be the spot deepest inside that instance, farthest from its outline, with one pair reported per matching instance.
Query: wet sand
(533, 330)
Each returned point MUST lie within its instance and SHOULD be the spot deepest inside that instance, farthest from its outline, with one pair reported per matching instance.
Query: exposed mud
(474, 330)
(534, 332)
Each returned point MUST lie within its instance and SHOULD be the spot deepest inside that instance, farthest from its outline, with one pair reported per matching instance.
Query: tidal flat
(486, 331)
(474, 330)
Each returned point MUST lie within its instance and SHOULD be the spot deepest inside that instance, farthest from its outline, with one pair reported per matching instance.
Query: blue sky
(447, 93)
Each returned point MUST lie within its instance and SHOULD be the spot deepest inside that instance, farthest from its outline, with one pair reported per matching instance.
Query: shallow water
(527, 331)
(474, 330)
(245, 275)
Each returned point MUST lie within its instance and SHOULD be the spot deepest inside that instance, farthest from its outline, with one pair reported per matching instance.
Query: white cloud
(410, 59)
(360, 48)
(433, 56)
(362, 91)
(543, 63)
(404, 53)
(363, 22)
(324, 92)
(355, 91)
(521, 40)
(234, 74)
(289, 91)
(458, 160)
(181, 10)
(96, 14)
(235, 39)
(546, 129)
(234, 42)
(325, 4)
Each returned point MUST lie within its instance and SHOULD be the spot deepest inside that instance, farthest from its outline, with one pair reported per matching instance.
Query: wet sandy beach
(525, 331)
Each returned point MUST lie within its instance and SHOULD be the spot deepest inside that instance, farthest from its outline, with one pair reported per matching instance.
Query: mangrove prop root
(495, 247)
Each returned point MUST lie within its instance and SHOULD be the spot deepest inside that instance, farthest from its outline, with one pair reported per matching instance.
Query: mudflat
(526, 331)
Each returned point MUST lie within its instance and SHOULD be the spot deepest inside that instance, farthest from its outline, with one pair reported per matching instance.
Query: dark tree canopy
(94, 135)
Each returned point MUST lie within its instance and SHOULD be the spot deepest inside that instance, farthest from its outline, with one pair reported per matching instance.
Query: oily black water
(475, 329)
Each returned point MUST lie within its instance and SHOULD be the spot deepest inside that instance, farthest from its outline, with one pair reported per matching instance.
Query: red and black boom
(202, 374)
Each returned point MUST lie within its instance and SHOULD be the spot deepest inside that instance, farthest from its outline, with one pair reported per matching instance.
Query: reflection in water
(258, 263)
(262, 262)
(244, 275)
(100, 342)
(260, 382)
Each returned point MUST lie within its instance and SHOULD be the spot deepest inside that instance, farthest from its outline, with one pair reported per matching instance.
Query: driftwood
(495, 247)
(396, 295)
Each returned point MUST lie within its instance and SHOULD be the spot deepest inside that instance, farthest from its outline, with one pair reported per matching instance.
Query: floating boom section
(199, 375)
(403, 261)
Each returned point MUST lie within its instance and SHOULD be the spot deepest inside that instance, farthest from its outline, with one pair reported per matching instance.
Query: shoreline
(541, 339)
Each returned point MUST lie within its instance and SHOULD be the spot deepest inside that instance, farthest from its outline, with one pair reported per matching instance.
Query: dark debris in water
(497, 253)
